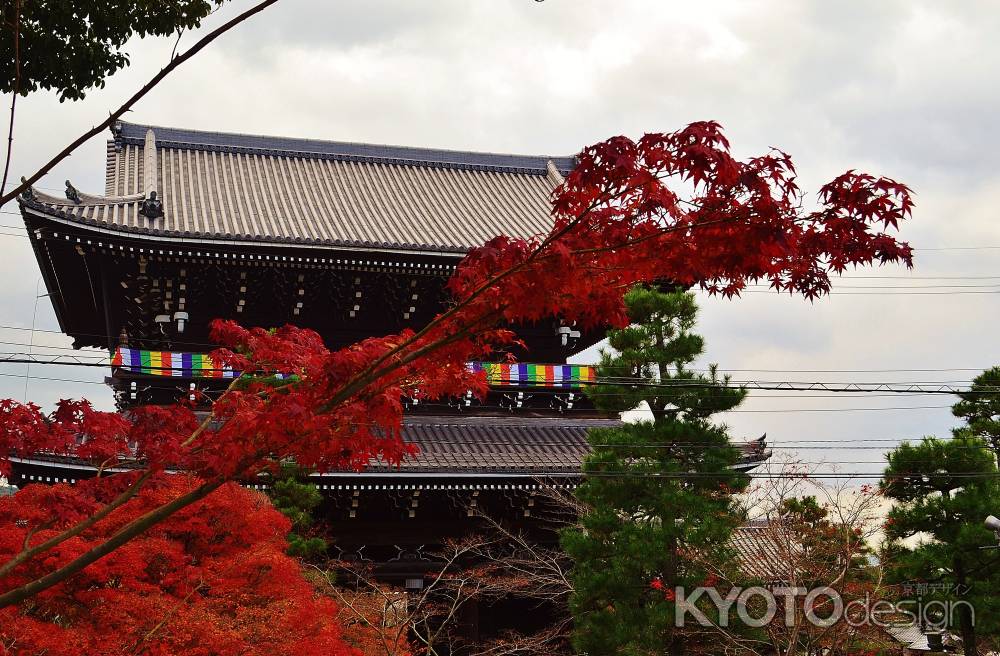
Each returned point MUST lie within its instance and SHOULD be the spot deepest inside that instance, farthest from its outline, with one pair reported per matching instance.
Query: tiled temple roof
(521, 445)
(464, 446)
(485, 444)
(240, 187)
(764, 552)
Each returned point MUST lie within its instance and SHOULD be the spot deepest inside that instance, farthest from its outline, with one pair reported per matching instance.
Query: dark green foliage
(71, 46)
(297, 499)
(658, 348)
(944, 490)
(658, 490)
(980, 407)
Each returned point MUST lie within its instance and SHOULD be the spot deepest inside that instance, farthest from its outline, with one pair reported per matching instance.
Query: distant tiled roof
(216, 185)
(763, 552)
(524, 445)
(913, 637)
(489, 444)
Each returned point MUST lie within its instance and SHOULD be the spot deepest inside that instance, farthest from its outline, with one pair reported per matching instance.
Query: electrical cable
(61, 380)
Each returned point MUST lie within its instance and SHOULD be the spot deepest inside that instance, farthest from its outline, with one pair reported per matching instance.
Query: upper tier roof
(239, 187)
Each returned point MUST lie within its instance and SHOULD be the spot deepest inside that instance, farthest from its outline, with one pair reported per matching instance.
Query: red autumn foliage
(212, 579)
(673, 206)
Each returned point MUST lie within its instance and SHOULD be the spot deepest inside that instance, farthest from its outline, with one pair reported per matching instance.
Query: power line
(774, 411)
(907, 277)
(860, 388)
(35, 345)
(789, 475)
(721, 370)
(863, 390)
(102, 335)
(737, 446)
(917, 293)
(502, 408)
(804, 386)
(936, 286)
(916, 249)
(61, 380)
(31, 359)
(838, 371)
(959, 248)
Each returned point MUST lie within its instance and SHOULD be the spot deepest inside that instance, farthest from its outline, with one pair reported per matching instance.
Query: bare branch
(138, 95)
(13, 96)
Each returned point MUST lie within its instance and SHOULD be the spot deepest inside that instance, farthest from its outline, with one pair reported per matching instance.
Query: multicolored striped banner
(176, 364)
(522, 374)
(169, 363)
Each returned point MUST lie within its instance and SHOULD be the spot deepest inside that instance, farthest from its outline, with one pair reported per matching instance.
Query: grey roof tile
(240, 187)
(505, 444)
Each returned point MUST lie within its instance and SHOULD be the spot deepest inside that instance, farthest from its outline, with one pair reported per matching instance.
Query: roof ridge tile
(184, 138)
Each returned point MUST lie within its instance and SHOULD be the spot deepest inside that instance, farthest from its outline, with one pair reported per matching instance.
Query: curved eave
(159, 236)
(70, 464)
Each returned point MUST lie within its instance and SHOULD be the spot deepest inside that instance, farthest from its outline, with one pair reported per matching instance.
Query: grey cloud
(901, 88)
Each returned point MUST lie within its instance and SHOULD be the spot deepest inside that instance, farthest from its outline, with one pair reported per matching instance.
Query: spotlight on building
(181, 318)
(993, 524)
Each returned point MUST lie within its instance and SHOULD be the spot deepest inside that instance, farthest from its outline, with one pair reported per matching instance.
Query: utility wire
(864, 390)
(566, 411)
(61, 380)
(924, 249)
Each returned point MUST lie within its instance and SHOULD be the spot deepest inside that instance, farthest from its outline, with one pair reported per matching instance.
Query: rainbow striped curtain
(176, 364)
(169, 363)
(523, 374)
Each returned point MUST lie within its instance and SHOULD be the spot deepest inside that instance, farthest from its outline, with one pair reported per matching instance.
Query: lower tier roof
(450, 447)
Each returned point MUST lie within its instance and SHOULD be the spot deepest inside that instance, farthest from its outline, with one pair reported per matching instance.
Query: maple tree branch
(108, 508)
(357, 382)
(77, 529)
(367, 375)
(207, 421)
(125, 534)
(173, 610)
(410, 357)
(31, 533)
(138, 95)
(13, 96)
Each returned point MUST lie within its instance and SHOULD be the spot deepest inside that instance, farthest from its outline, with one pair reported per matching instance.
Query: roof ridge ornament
(72, 193)
(554, 173)
(29, 192)
(117, 136)
(152, 207)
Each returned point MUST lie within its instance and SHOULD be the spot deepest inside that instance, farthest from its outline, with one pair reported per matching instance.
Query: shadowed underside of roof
(272, 189)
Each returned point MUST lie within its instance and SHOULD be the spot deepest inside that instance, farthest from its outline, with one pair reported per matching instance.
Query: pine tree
(944, 490)
(657, 490)
(297, 499)
(980, 407)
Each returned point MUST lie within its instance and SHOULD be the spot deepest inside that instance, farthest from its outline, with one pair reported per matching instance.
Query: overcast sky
(905, 89)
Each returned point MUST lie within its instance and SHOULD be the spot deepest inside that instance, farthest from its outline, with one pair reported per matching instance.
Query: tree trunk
(965, 621)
